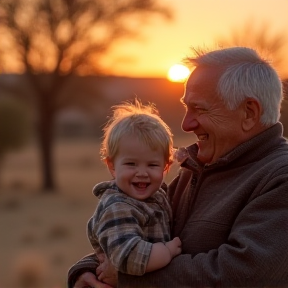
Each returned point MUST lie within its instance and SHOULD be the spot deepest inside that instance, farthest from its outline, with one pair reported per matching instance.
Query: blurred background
(63, 64)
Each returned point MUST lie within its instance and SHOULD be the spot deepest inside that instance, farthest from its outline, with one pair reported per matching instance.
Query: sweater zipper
(193, 193)
(193, 187)
(193, 182)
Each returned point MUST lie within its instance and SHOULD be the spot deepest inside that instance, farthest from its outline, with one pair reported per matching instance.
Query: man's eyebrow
(193, 103)
(186, 103)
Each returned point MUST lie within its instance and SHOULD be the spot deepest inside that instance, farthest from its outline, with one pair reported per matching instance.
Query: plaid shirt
(125, 228)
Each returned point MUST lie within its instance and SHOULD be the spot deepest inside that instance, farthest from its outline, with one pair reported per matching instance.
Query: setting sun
(178, 73)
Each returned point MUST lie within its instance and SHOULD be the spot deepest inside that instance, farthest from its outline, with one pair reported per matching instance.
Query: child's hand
(106, 271)
(174, 246)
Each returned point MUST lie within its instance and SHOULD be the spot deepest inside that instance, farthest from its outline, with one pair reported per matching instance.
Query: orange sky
(196, 23)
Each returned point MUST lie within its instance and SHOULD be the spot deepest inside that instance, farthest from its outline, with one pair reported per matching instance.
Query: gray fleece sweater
(232, 219)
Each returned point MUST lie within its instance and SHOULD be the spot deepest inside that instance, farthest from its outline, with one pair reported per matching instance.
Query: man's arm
(255, 254)
(87, 264)
(260, 225)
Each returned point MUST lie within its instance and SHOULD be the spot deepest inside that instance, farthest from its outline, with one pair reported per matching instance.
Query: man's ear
(253, 112)
(110, 166)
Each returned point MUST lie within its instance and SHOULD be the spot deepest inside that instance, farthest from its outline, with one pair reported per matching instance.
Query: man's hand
(89, 280)
(106, 271)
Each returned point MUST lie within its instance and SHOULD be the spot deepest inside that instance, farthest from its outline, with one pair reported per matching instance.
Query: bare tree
(62, 38)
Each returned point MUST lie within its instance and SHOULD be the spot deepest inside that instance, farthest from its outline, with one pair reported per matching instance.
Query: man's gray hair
(245, 75)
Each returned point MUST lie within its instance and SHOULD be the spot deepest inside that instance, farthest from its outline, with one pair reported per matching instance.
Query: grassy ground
(43, 234)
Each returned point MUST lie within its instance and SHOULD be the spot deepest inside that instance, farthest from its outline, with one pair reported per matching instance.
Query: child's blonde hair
(141, 121)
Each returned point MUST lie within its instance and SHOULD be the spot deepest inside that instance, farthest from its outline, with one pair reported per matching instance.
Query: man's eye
(201, 110)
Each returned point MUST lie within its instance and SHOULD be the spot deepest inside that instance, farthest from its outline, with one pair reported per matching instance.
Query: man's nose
(189, 122)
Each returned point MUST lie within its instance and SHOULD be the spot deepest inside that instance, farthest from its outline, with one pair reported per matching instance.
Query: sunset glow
(178, 73)
(178, 36)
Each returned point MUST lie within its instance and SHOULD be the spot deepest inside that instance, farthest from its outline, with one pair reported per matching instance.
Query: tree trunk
(45, 132)
(46, 95)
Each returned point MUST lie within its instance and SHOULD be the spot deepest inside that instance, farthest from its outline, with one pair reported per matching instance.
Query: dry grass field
(43, 234)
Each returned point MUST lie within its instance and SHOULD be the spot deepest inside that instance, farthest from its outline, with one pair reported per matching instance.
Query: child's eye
(129, 163)
(153, 165)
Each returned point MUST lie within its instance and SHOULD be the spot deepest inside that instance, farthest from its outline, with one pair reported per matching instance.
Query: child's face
(137, 169)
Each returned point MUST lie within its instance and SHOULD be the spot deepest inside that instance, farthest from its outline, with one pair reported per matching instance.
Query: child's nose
(141, 172)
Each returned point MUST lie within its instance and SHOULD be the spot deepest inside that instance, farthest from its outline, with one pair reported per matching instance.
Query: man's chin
(203, 158)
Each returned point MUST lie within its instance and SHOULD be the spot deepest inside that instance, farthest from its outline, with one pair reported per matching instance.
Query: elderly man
(230, 199)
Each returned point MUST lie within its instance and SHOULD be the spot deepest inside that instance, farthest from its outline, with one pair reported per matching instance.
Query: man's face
(217, 128)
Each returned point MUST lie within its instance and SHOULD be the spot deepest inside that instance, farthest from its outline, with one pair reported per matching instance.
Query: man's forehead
(204, 78)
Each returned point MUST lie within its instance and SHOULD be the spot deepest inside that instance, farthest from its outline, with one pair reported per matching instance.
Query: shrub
(14, 125)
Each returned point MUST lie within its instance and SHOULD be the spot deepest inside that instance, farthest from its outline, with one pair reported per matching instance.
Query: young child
(132, 221)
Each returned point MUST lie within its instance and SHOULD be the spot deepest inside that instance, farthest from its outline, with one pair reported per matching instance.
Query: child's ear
(110, 166)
